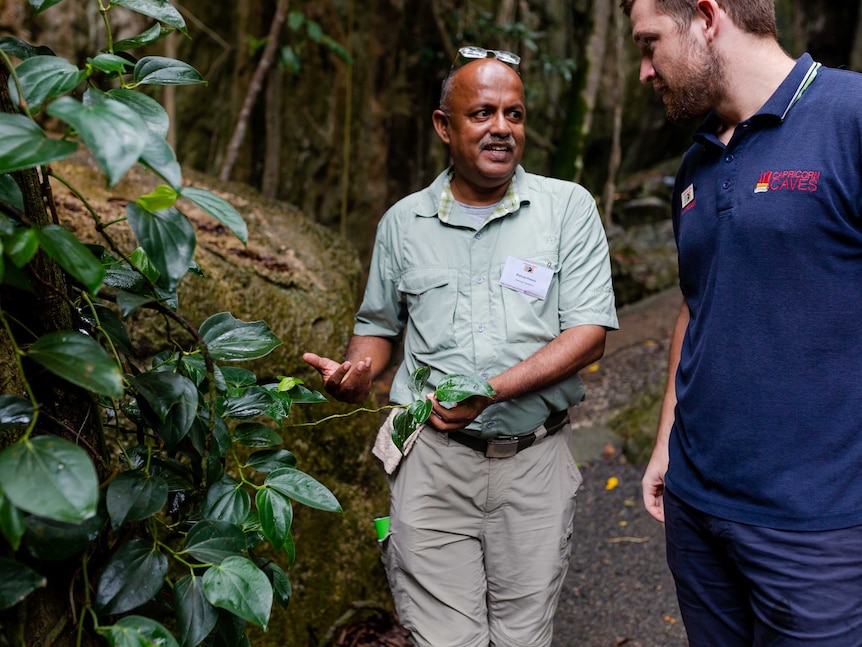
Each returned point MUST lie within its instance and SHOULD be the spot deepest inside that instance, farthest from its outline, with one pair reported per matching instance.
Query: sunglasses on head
(470, 53)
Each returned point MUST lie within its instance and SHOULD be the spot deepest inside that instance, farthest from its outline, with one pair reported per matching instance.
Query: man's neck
(754, 67)
(472, 195)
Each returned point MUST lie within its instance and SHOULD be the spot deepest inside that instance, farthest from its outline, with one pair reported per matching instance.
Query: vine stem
(20, 366)
(345, 415)
(22, 102)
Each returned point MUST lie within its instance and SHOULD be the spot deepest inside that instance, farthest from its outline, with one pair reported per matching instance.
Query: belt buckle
(502, 447)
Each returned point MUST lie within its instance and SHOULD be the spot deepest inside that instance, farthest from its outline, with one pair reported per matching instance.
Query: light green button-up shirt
(435, 279)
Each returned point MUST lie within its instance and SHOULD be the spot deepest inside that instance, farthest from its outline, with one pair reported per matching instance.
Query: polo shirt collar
(440, 202)
(779, 104)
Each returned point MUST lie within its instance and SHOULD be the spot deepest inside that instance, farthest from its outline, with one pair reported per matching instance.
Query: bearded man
(756, 469)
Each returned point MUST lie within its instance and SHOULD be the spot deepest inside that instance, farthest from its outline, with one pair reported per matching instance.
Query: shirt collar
(775, 110)
(441, 202)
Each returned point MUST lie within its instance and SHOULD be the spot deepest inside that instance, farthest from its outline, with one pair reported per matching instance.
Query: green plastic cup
(382, 526)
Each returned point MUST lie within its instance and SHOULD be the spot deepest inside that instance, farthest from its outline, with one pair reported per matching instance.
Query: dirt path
(618, 590)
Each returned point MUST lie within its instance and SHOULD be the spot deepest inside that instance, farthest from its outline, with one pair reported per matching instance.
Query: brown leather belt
(506, 446)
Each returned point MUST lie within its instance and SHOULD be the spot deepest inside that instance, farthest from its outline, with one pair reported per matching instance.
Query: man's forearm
(378, 349)
(564, 356)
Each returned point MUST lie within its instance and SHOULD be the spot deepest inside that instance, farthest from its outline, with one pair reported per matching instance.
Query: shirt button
(479, 235)
(489, 425)
(726, 184)
(480, 279)
(728, 159)
(481, 327)
(485, 376)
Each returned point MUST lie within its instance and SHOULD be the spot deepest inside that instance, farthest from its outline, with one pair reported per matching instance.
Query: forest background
(336, 112)
(326, 105)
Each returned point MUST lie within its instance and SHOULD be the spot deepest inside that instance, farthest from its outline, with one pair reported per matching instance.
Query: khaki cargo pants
(478, 547)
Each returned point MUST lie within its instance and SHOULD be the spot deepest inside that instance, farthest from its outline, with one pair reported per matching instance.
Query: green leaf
(132, 576)
(23, 144)
(418, 379)
(161, 10)
(141, 262)
(455, 388)
(150, 36)
(226, 500)
(135, 495)
(173, 398)
(43, 78)
(15, 412)
(167, 237)
(158, 70)
(253, 402)
(238, 586)
(41, 5)
(420, 410)
(50, 477)
(160, 158)
(196, 617)
(230, 339)
(111, 325)
(211, 542)
(270, 460)
(237, 377)
(403, 425)
(10, 193)
(80, 360)
(301, 395)
(314, 31)
(72, 255)
(48, 540)
(151, 112)
(255, 434)
(159, 198)
(110, 63)
(220, 209)
(137, 631)
(17, 581)
(11, 522)
(302, 488)
(280, 584)
(128, 302)
(113, 132)
(276, 515)
(22, 245)
(295, 20)
(23, 50)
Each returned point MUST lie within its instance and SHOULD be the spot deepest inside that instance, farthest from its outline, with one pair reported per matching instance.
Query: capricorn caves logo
(793, 180)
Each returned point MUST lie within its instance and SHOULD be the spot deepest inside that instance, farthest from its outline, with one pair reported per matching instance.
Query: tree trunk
(595, 67)
(64, 410)
(266, 61)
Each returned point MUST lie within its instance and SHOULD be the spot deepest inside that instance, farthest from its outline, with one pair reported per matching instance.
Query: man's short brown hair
(752, 16)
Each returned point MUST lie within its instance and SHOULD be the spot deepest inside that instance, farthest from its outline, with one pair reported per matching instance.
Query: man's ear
(441, 125)
(710, 14)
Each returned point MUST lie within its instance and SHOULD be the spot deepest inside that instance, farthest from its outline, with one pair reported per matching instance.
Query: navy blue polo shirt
(768, 426)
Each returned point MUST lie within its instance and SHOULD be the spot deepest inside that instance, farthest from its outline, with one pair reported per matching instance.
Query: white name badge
(525, 277)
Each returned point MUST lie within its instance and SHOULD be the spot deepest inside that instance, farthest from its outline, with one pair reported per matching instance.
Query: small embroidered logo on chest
(787, 180)
(686, 198)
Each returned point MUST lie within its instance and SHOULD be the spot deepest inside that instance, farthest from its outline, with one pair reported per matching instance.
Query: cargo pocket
(431, 295)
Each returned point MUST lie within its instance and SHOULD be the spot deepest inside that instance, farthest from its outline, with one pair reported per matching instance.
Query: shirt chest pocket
(430, 295)
(529, 318)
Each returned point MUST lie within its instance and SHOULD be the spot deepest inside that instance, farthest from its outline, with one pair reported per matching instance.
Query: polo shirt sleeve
(382, 314)
(586, 290)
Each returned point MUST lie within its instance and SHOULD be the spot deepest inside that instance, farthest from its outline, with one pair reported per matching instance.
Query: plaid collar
(510, 203)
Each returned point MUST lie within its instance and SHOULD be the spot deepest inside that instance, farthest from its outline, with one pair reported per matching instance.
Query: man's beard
(695, 85)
